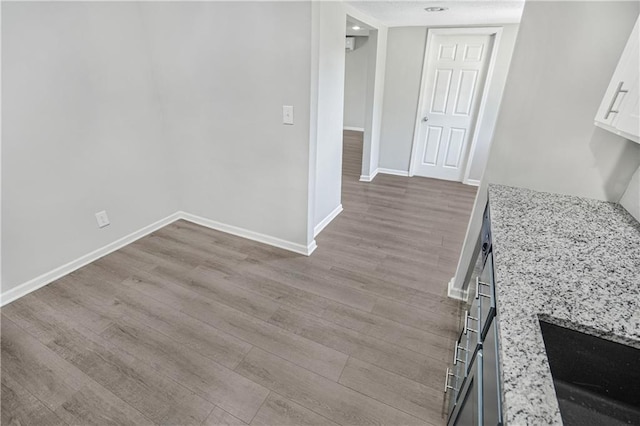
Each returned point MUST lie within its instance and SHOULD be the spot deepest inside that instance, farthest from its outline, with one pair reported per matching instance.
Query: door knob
(425, 119)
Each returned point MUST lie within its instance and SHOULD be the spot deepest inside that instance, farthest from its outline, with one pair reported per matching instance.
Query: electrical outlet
(102, 218)
(287, 114)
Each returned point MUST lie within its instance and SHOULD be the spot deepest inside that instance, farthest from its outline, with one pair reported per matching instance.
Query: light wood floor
(191, 326)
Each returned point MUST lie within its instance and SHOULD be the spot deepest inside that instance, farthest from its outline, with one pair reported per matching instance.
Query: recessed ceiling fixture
(436, 9)
(355, 27)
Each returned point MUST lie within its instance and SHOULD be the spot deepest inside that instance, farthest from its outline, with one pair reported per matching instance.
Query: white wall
(355, 84)
(224, 90)
(480, 153)
(402, 87)
(331, 30)
(83, 131)
(144, 109)
(558, 148)
(630, 200)
(545, 138)
(405, 56)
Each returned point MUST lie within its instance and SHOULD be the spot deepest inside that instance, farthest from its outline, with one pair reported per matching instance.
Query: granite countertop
(571, 261)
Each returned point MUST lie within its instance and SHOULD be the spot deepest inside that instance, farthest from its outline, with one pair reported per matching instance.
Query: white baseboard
(355, 129)
(327, 220)
(59, 272)
(457, 293)
(250, 235)
(369, 178)
(472, 182)
(393, 172)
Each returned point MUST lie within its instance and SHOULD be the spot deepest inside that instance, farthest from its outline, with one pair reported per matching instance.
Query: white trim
(354, 129)
(59, 272)
(327, 220)
(497, 36)
(369, 178)
(393, 172)
(634, 138)
(456, 293)
(494, 31)
(374, 90)
(421, 101)
(313, 121)
(472, 182)
(250, 235)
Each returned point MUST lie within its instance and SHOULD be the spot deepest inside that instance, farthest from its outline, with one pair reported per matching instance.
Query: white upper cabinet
(619, 111)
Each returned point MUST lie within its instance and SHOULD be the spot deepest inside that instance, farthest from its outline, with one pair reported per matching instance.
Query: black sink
(597, 381)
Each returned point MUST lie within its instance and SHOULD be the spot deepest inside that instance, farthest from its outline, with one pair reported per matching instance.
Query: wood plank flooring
(190, 326)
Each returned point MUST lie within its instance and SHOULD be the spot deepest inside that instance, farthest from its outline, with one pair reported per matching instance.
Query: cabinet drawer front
(464, 352)
(491, 395)
(470, 338)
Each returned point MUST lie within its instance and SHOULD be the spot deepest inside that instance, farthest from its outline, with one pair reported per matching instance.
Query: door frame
(376, 69)
(496, 32)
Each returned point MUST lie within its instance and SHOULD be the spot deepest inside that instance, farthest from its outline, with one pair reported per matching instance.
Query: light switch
(287, 114)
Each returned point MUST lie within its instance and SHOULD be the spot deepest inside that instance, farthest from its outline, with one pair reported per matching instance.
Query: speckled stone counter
(571, 261)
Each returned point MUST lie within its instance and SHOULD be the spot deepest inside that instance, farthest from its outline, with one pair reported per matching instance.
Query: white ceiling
(461, 12)
(363, 31)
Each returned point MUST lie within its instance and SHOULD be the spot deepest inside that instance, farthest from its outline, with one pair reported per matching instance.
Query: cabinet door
(491, 398)
(629, 118)
(467, 411)
(618, 111)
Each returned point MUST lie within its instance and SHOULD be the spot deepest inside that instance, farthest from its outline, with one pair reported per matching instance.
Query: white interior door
(454, 79)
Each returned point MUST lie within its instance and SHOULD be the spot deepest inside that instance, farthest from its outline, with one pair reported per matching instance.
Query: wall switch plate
(287, 114)
(102, 218)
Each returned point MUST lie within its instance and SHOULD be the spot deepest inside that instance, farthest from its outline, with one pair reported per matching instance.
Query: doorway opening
(361, 56)
(329, 103)
(357, 52)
